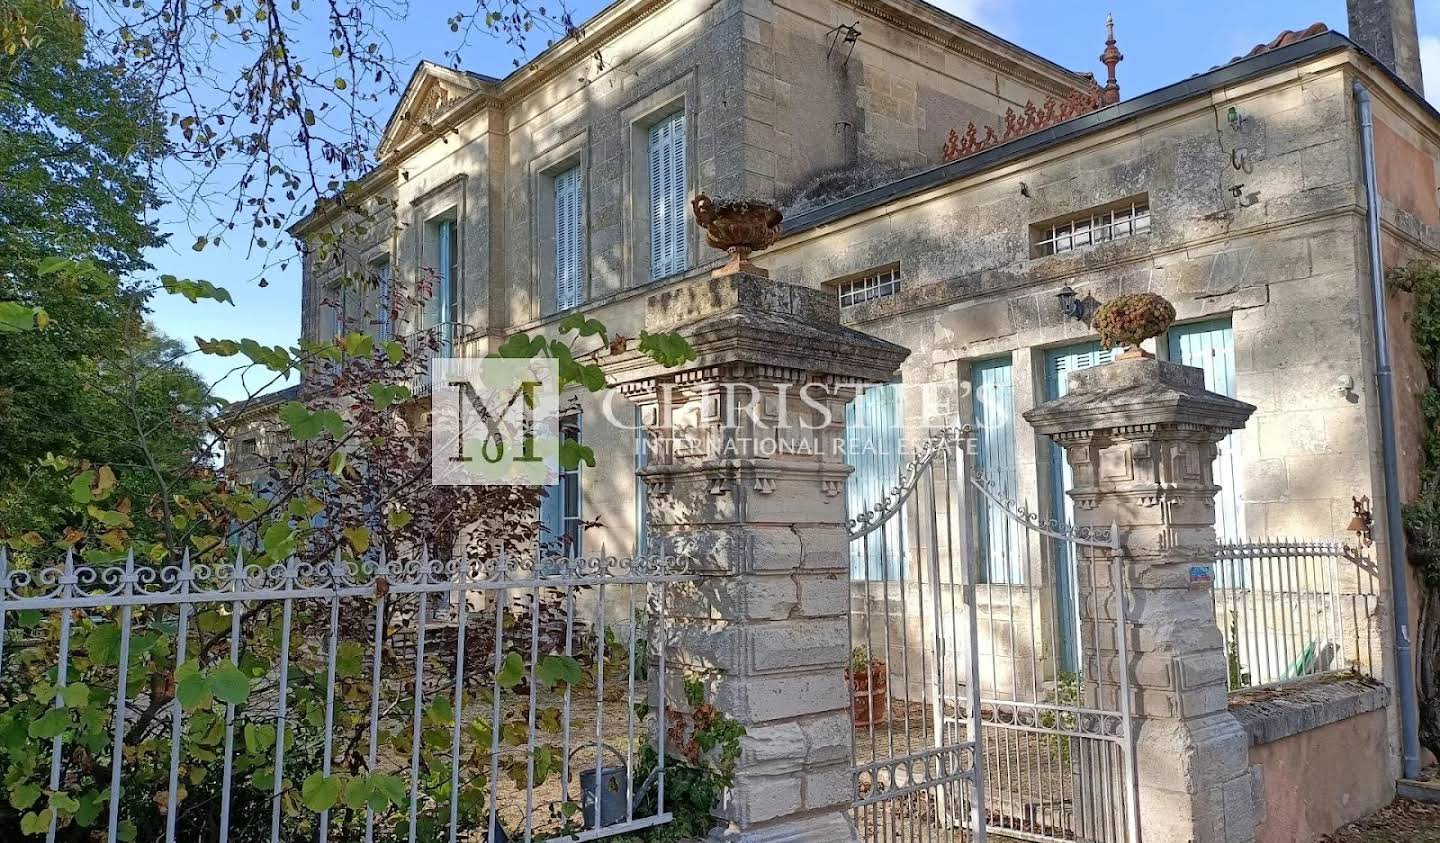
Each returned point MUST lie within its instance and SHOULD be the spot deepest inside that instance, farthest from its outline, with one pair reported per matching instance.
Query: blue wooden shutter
(1059, 363)
(568, 234)
(668, 249)
(993, 395)
(1210, 347)
(872, 448)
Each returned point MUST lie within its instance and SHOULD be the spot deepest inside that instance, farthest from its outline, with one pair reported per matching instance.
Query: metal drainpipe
(1394, 535)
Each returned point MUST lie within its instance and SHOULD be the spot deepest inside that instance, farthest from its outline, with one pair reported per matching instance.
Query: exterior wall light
(1070, 303)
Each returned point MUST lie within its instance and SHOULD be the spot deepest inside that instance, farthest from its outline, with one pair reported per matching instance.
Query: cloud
(1430, 66)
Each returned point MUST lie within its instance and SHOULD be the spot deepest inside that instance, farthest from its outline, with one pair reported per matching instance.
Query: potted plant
(738, 226)
(1131, 319)
(868, 687)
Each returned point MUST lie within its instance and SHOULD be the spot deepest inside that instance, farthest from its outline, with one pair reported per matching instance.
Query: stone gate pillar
(1140, 436)
(744, 476)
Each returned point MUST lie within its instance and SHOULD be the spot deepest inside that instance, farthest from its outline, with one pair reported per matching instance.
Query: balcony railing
(445, 339)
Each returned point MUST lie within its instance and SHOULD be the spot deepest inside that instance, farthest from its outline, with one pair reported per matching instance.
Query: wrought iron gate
(986, 700)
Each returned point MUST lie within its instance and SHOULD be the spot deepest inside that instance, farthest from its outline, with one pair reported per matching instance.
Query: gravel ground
(1402, 821)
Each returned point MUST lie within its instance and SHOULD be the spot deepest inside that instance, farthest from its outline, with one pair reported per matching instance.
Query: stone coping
(1271, 714)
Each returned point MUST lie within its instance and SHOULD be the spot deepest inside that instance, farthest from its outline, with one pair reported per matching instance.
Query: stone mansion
(959, 196)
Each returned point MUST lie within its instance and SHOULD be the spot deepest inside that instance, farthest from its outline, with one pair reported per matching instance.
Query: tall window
(1059, 363)
(443, 305)
(668, 251)
(560, 508)
(993, 395)
(380, 270)
(872, 448)
(1210, 347)
(1091, 227)
(568, 234)
(338, 302)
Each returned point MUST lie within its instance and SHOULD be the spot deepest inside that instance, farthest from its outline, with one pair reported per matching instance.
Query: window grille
(877, 285)
(1093, 227)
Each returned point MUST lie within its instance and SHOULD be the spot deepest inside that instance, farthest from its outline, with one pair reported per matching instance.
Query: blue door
(1210, 347)
(1059, 363)
(872, 448)
(992, 391)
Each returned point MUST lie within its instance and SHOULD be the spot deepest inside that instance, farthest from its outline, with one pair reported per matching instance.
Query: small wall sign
(1201, 576)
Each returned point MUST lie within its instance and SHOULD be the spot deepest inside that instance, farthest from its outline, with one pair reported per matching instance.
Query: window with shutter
(1000, 538)
(1059, 363)
(872, 448)
(568, 234)
(1210, 347)
(668, 250)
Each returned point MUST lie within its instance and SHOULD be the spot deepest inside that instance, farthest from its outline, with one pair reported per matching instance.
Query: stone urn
(738, 226)
(1131, 319)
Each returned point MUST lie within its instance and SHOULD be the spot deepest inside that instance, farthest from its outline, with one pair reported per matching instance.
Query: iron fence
(412, 700)
(1288, 609)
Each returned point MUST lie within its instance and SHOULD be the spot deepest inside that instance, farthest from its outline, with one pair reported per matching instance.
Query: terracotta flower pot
(1131, 319)
(738, 226)
(868, 694)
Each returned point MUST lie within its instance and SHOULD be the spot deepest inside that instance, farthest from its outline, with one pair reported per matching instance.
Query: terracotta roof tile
(1284, 39)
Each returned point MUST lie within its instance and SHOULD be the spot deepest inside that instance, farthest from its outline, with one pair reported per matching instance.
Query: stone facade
(1251, 176)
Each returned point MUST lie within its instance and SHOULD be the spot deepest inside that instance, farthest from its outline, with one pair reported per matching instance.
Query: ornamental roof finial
(1111, 57)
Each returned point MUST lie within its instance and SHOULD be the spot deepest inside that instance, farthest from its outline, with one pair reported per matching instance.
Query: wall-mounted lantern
(1071, 304)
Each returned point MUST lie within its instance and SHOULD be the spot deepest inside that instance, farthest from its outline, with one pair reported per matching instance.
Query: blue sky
(1163, 41)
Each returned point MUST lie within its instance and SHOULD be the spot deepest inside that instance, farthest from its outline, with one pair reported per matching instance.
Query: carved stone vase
(738, 226)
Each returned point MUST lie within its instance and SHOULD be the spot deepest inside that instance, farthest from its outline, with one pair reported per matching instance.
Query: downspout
(1394, 535)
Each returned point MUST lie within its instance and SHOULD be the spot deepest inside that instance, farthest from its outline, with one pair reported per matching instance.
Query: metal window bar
(878, 285)
(464, 746)
(1092, 228)
(1281, 607)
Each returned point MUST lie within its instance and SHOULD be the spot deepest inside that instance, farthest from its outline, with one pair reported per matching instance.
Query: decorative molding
(1031, 120)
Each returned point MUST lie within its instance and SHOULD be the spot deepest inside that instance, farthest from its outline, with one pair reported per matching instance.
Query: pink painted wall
(1319, 780)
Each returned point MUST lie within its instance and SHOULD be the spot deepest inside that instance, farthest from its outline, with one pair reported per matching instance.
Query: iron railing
(1288, 609)
(411, 700)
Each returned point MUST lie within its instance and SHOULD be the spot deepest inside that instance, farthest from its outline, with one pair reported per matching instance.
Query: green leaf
(359, 345)
(32, 823)
(23, 796)
(76, 695)
(358, 537)
(80, 487)
(190, 687)
(194, 290)
(394, 352)
(320, 793)
(16, 317)
(668, 349)
(572, 453)
(125, 830)
(228, 683)
(50, 725)
(399, 519)
(103, 645)
(279, 539)
(391, 789)
(556, 668)
(511, 672)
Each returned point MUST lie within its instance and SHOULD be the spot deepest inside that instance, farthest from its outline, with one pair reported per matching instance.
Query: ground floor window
(872, 449)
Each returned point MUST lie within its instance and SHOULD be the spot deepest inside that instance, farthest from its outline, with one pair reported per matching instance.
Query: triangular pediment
(432, 92)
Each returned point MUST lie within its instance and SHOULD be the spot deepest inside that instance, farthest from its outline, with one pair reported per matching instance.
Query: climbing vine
(1422, 514)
